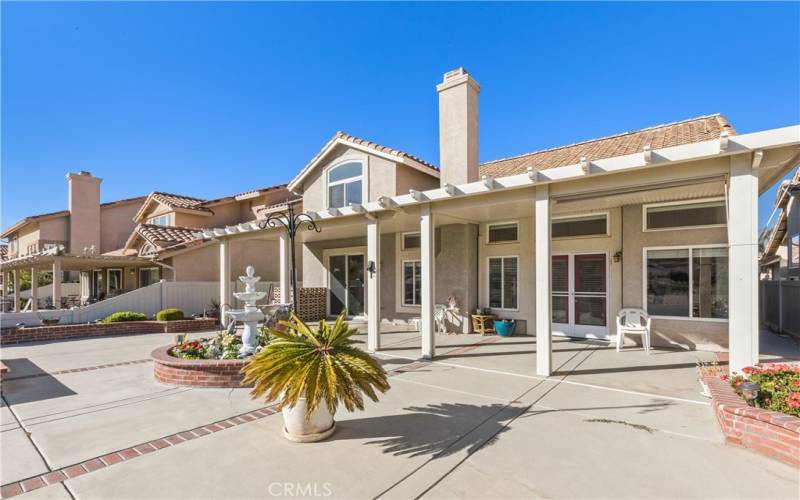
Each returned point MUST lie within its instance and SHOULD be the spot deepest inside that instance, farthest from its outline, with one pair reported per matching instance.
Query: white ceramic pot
(318, 427)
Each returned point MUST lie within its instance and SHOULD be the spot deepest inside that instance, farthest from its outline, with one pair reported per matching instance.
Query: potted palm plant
(310, 372)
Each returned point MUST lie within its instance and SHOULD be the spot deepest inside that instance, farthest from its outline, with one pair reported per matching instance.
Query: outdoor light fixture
(618, 256)
(749, 392)
(371, 268)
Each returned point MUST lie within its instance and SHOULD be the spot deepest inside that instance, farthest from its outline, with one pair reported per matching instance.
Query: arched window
(147, 250)
(344, 185)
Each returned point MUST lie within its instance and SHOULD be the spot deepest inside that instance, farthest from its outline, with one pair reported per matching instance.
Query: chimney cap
(457, 77)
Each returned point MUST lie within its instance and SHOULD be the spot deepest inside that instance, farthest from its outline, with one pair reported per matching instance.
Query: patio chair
(633, 321)
(439, 313)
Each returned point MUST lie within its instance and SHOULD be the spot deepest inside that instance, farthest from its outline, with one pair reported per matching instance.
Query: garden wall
(196, 373)
(61, 332)
(769, 433)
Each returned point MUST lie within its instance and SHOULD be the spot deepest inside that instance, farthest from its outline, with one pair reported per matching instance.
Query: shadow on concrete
(437, 429)
(623, 369)
(25, 382)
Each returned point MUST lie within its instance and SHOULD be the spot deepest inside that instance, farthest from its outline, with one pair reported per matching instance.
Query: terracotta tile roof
(162, 236)
(179, 201)
(698, 129)
(382, 149)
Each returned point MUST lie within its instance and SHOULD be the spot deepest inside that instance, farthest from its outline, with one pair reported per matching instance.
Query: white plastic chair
(439, 313)
(633, 321)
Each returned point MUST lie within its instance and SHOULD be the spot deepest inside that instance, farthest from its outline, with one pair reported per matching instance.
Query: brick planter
(62, 332)
(769, 433)
(196, 372)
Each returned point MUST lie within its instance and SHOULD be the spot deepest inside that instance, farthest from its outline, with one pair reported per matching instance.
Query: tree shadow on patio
(437, 429)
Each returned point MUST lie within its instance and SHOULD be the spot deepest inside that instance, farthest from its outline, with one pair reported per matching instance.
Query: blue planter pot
(505, 327)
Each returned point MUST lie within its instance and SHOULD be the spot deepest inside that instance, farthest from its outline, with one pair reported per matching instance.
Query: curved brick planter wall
(767, 432)
(196, 372)
(62, 332)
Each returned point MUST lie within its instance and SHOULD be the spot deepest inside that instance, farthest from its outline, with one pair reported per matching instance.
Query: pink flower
(794, 400)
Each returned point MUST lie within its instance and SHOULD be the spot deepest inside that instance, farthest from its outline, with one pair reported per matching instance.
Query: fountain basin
(196, 372)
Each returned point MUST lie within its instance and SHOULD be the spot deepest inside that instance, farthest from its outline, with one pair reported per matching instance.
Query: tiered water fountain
(251, 314)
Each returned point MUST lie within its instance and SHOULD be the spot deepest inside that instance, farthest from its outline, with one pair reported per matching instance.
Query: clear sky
(210, 99)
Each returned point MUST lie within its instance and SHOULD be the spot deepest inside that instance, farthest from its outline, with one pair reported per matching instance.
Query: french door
(580, 295)
(346, 284)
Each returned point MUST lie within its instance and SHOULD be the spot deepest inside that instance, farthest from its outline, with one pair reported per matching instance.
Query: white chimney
(458, 127)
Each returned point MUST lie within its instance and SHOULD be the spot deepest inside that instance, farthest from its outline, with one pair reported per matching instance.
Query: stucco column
(224, 278)
(283, 264)
(57, 283)
(427, 262)
(742, 264)
(544, 357)
(15, 274)
(34, 289)
(373, 285)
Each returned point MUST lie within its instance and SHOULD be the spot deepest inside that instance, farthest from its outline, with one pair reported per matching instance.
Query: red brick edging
(93, 464)
(63, 332)
(196, 372)
(769, 433)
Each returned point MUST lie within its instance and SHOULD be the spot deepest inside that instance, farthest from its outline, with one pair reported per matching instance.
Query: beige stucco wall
(84, 207)
(694, 334)
(116, 225)
(54, 229)
(411, 178)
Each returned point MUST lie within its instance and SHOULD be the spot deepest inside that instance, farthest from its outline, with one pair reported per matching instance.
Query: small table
(483, 323)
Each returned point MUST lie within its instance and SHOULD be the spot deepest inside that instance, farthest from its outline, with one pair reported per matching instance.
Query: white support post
(34, 289)
(544, 357)
(743, 264)
(4, 291)
(373, 285)
(283, 263)
(57, 283)
(15, 273)
(224, 278)
(427, 262)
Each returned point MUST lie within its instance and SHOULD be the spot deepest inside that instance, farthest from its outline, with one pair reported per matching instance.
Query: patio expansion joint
(77, 370)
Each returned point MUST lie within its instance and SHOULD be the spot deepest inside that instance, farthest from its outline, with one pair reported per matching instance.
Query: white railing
(193, 297)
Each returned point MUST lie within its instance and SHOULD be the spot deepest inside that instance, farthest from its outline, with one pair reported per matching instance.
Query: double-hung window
(687, 282)
(503, 282)
(412, 283)
(345, 184)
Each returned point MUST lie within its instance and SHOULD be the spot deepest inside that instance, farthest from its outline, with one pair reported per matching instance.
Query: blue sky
(209, 99)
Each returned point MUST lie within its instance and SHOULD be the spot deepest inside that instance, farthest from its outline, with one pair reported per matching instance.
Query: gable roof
(173, 201)
(162, 236)
(341, 138)
(698, 129)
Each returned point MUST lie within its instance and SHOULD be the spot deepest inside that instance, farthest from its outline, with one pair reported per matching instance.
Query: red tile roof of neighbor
(702, 128)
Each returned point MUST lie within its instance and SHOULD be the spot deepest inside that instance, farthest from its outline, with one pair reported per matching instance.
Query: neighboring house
(781, 256)
(558, 239)
(168, 226)
(74, 242)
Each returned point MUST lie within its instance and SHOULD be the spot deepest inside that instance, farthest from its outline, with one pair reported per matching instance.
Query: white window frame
(147, 250)
(691, 280)
(108, 279)
(679, 203)
(403, 281)
(501, 223)
(502, 282)
(583, 215)
(169, 218)
(403, 240)
(362, 177)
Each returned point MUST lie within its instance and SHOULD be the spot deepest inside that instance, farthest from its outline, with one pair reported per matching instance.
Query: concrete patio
(475, 423)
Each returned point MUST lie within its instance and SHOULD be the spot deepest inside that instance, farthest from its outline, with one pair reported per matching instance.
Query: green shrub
(124, 316)
(169, 315)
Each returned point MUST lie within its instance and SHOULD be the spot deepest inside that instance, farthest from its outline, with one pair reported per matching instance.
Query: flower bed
(63, 332)
(172, 370)
(779, 386)
(762, 430)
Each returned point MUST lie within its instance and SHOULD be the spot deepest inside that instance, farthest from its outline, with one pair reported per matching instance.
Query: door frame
(570, 329)
(326, 278)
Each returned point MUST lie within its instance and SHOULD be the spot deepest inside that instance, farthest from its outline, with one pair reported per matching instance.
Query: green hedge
(124, 316)
(169, 315)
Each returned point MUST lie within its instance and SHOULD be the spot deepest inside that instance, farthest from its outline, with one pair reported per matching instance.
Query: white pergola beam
(427, 263)
(544, 357)
(373, 285)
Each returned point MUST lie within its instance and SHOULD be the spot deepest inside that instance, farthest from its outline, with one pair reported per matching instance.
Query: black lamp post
(291, 222)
